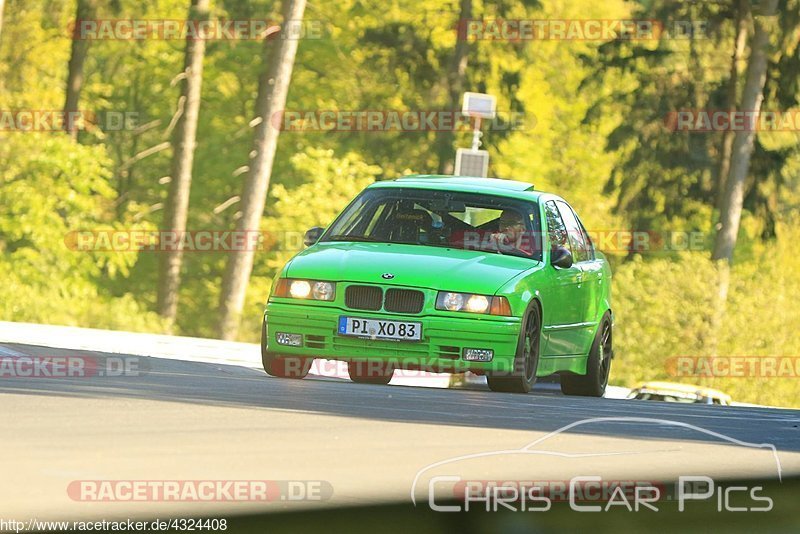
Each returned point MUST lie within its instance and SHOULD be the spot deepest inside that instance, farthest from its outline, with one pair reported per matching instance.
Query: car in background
(447, 274)
(683, 393)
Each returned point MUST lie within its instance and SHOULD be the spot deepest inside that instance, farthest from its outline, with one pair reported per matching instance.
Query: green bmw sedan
(447, 274)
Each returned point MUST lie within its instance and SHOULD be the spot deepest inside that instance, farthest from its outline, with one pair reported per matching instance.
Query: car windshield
(436, 218)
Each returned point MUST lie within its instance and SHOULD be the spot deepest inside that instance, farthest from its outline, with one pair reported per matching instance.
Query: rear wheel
(526, 361)
(598, 366)
(282, 366)
(372, 372)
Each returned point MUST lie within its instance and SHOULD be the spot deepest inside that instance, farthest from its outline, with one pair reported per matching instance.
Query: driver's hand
(501, 239)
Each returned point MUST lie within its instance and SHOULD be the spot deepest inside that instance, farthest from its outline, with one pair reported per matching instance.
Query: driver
(511, 232)
(510, 235)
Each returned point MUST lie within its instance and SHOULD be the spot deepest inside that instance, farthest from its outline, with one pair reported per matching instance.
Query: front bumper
(441, 347)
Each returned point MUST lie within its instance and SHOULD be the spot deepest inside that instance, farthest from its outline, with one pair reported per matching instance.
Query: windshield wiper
(512, 252)
(345, 237)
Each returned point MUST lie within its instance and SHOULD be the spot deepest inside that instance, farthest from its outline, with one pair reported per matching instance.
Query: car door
(584, 258)
(595, 279)
(564, 303)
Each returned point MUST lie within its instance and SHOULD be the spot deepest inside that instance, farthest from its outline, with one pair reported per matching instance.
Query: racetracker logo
(71, 366)
(579, 29)
(390, 120)
(613, 241)
(42, 120)
(199, 490)
(704, 120)
(169, 241)
(734, 366)
(181, 30)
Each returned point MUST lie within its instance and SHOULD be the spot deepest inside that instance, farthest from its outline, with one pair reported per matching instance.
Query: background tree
(731, 96)
(2, 4)
(752, 97)
(456, 77)
(85, 10)
(183, 143)
(273, 87)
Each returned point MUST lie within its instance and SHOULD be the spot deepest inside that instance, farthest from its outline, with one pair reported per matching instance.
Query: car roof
(467, 184)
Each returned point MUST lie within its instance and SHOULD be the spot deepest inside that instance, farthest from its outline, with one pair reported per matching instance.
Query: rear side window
(586, 238)
(580, 249)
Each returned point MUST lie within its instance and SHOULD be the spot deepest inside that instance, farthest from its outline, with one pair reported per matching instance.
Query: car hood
(411, 265)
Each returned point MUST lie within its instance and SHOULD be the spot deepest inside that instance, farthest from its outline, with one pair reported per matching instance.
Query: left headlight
(472, 303)
(304, 289)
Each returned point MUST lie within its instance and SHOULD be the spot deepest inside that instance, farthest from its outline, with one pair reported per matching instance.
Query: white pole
(476, 134)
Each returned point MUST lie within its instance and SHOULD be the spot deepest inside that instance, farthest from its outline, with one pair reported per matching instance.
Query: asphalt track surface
(183, 420)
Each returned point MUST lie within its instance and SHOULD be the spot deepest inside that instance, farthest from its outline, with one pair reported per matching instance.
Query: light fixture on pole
(474, 161)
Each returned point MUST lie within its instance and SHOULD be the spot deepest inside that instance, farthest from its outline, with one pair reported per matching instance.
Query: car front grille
(363, 298)
(403, 301)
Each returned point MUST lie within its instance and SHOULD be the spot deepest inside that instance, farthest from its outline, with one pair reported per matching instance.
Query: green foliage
(665, 179)
(50, 188)
(666, 309)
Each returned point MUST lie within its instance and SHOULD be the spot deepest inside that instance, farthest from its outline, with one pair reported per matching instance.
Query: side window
(556, 229)
(586, 238)
(580, 250)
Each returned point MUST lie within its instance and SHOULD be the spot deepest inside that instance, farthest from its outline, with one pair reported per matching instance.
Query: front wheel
(526, 360)
(598, 366)
(282, 366)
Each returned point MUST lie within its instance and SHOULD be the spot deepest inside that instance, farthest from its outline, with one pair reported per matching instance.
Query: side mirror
(561, 257)
(312, 236)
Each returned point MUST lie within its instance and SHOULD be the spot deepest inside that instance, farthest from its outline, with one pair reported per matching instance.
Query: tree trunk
(752, 97)
(273, 86)
(2, 2)
(728, 136)
(455, 87)
(80, 47)
(183, 145)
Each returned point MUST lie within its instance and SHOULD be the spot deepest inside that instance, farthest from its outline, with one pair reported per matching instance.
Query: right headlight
(472, 303)
(304, 289)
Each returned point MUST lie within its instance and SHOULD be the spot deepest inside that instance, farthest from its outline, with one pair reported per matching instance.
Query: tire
(526, 360)
(598, 365)
(282, 366)
(372, 372)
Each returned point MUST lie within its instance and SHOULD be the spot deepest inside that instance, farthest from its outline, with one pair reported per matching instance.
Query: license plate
(380, 329)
